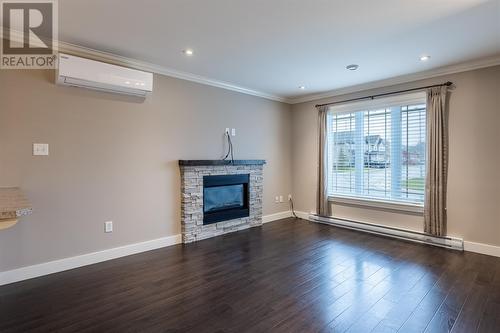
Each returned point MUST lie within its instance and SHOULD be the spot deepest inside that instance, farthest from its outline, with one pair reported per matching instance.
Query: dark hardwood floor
(288, 276)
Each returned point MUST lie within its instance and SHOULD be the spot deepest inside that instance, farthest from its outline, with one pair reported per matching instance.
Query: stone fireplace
(218, 197)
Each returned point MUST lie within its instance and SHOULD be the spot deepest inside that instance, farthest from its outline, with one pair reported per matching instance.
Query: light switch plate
(108, 226)
(40, 149)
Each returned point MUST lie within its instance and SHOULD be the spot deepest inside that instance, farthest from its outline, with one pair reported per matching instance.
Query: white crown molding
(446, 70)
(162, 70)
(146, 66)
(149, 67)
(115, 59)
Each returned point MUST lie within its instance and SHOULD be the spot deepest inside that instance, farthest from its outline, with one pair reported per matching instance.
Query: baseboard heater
(413, 236)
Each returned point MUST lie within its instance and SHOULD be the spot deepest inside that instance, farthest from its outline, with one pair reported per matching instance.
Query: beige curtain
(437, 162)
(322, 199)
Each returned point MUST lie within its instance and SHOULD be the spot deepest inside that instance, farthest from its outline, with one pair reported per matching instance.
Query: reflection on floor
(288, 276)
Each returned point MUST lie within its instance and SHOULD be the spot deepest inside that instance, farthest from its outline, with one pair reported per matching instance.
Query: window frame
(379, 103)
(391, 205)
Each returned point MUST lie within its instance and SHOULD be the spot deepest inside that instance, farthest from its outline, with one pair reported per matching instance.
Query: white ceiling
(274, 46)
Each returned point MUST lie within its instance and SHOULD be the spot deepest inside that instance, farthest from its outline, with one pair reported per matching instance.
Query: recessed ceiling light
(425, 58)
(188, 52)
(352, 67)
(302, 87)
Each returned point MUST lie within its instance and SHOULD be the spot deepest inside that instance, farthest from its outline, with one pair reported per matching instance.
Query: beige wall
(474, 181)
(115, 158)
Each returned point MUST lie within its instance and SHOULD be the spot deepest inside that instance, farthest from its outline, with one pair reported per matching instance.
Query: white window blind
(378, 152)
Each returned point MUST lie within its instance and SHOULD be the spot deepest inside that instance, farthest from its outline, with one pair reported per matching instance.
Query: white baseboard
(29, 272)
(482, 248)
(55, 266)
(448, 242)
(276, 216)
(302, 215)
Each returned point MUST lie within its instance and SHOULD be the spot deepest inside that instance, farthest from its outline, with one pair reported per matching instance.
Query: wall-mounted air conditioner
(91, 74)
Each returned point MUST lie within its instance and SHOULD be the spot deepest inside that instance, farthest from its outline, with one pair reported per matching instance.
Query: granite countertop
(220, 162)
(13, 203)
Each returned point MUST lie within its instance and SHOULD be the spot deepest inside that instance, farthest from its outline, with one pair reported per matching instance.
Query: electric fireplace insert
(225, 197)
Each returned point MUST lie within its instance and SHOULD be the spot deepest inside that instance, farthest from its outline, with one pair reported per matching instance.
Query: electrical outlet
(227, 131)
(289, 197)
(40, 149)
(281, 198)
(108, 226)
(276, 199)
(233, 132)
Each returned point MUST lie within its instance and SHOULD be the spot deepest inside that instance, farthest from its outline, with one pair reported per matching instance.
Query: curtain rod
(386, 94)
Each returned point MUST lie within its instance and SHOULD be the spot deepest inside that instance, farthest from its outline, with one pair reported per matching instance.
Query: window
(376, 150)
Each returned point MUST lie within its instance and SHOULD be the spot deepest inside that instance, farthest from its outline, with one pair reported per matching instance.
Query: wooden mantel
(13, 204)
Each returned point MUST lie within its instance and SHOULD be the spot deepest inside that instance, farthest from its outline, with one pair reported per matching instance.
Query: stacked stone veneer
(192, 200)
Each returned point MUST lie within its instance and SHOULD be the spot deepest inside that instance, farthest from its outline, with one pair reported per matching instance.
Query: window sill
(378, 204)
